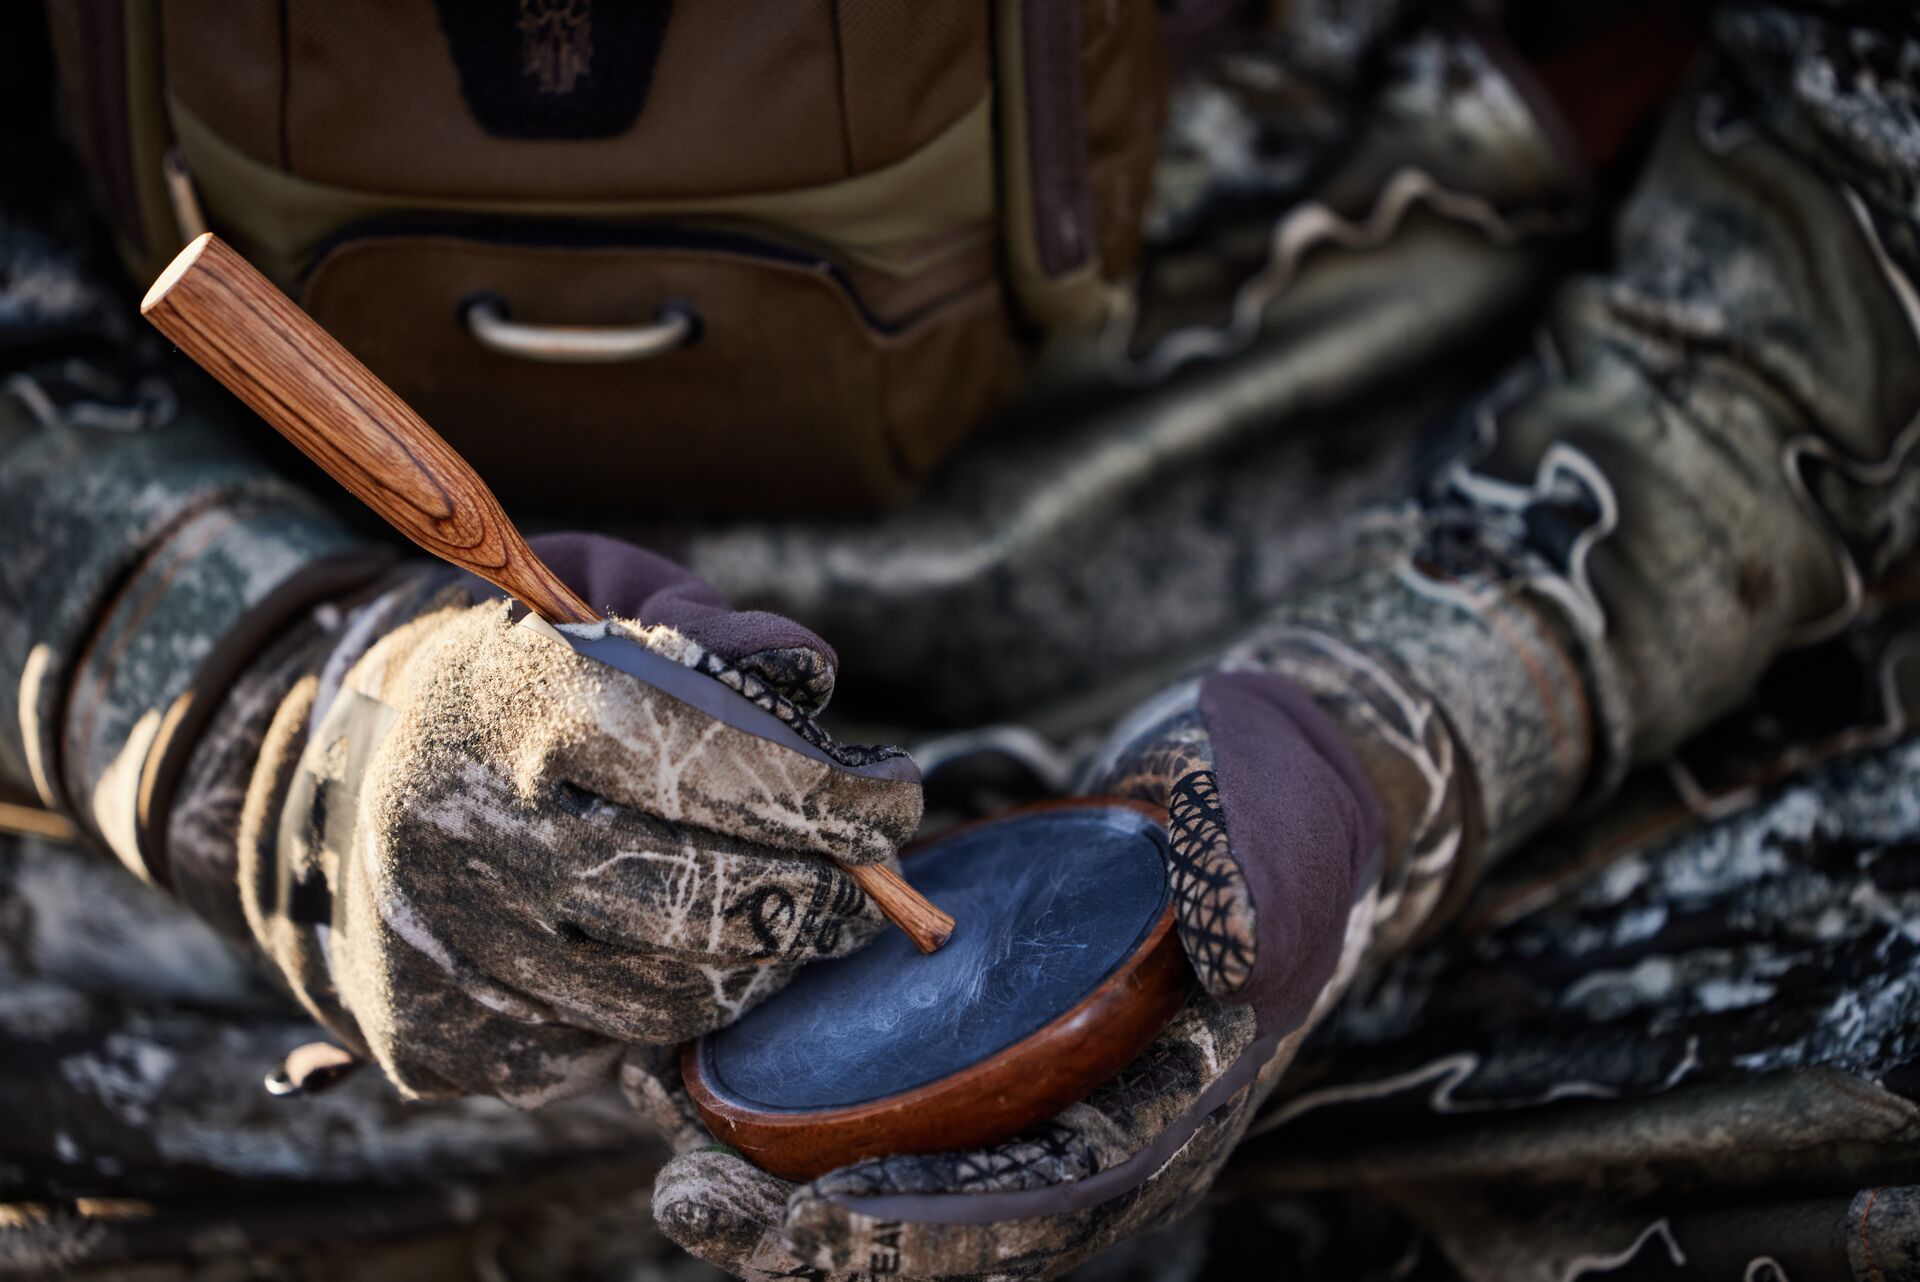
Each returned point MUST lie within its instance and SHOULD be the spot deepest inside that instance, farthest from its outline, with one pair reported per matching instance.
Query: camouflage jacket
(1706, 460)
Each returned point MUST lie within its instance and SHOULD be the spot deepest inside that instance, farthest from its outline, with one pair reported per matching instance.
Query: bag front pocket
(681, 370)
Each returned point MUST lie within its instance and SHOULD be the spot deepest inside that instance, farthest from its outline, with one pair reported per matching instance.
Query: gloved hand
(1274, 847)
(492, 861)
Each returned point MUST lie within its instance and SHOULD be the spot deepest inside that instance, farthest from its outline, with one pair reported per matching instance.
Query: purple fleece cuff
(619, 578)
(1304, 826)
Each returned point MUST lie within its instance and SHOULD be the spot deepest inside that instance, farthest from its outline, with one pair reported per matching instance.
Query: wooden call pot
(1028, 1074)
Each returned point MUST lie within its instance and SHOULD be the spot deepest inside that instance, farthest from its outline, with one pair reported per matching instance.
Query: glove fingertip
(714, 1204)
(802, 674)
(1212, 900)
(792, 651)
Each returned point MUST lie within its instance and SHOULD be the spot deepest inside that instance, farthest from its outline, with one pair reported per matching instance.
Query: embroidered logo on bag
(556, 42)
(554, 68)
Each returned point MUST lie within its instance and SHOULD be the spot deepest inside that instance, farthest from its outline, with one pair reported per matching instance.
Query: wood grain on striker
(905, 907)
(241, 329)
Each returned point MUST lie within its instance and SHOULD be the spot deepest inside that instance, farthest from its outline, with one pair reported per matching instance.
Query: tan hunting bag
(769, 255)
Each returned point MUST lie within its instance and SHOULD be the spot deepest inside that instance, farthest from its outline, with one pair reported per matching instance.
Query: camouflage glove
(1273, 830)
(1139, 1152)
(493, 861)
(1275, 846)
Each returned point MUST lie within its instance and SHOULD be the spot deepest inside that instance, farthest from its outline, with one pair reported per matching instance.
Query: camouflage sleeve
(145, 550)
(1709, 460)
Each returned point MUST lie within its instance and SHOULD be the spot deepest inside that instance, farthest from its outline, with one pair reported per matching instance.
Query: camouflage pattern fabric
(1197, 1083)
(191, 639)
(144, 537)
(1710, 460)
(1687, 1029)
(490, 861)
(222, 543)
(1641, 523)
(140, 1145)
(1127, 522)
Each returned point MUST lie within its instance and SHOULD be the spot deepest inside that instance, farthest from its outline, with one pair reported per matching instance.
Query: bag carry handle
(675, 324)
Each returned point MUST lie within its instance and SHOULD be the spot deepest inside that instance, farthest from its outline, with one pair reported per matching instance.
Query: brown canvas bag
(719, 254)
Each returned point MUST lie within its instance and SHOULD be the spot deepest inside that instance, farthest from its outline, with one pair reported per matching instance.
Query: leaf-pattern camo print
(1741, 385)
(1578, 593)
(493, 862)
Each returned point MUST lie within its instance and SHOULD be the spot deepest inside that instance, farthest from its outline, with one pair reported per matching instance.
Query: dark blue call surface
(1048, 903)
